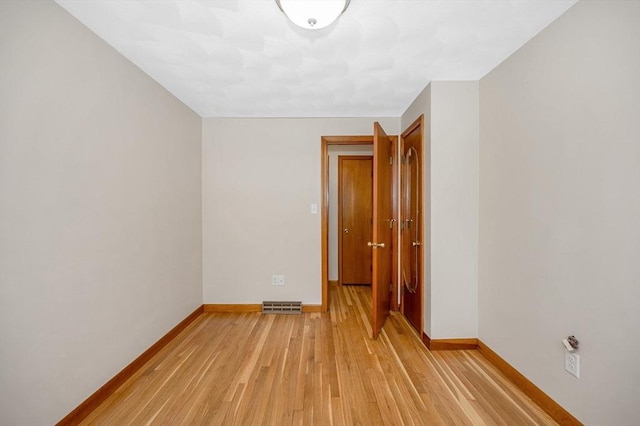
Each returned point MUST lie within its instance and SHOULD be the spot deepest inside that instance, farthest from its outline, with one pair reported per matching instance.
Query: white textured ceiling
(243, 58)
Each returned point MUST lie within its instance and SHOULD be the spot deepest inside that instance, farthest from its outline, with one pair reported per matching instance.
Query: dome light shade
(313, 14)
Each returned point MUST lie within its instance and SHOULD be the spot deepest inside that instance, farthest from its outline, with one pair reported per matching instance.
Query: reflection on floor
(320, 369)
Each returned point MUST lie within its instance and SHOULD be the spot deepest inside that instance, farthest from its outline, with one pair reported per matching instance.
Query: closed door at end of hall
(355, 182)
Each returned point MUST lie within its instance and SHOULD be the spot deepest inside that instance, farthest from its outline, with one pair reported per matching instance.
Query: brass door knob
(346, 230)
(375, 245)
(416, 243)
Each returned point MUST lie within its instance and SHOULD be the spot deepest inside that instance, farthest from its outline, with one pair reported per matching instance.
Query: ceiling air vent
(281, 307)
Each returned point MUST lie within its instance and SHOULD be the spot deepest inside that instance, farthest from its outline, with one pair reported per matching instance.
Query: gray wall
(100, 212)
(559, 244)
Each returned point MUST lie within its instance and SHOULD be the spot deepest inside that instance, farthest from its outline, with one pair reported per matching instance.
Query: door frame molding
(325, 141)
(340, 190)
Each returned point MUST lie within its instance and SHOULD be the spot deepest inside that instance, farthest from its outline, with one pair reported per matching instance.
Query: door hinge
(391, 223)
(390, 287)
(391, 161)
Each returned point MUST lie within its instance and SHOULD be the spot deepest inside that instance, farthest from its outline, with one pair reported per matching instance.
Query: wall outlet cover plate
(277, 279)
(572, 363)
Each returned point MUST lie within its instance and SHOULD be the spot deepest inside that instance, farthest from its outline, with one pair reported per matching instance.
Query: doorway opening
(385, 292)
(334, 143)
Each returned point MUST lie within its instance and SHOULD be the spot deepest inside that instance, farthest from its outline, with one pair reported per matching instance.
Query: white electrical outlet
(277, 279)
(572, 363)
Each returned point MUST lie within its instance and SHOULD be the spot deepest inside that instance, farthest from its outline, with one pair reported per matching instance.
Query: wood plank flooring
(314, 369)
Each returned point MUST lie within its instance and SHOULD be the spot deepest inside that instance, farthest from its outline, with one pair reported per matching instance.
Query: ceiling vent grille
(282, 308)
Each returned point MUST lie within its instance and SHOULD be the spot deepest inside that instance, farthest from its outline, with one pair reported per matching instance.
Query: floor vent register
(282, 308)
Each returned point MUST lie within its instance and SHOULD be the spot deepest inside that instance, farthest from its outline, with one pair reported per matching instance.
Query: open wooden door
(382, 228)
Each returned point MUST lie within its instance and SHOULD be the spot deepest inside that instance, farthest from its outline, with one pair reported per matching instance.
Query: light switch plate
(314, 209)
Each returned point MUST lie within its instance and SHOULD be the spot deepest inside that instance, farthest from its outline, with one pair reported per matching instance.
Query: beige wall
(451, 206)
(100, 212)
(103, 246)
(560, 209)
(454, 209)
(260, 177)
(334, 151)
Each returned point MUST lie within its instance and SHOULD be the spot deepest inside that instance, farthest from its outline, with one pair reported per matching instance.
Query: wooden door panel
(355, 218)
(382, 214)
(412, 238)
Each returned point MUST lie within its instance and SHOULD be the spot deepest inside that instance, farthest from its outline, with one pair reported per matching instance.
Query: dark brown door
(411, 270)
(382, 215)
(355, 215)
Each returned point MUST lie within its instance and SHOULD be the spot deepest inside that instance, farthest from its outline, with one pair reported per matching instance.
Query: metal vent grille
(281, 307)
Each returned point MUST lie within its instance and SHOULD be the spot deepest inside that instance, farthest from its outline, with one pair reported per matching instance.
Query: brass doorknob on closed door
(416, 243)
(346, 230)
(375, 245)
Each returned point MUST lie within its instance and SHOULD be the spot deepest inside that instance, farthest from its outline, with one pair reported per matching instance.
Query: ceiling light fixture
(313, 14)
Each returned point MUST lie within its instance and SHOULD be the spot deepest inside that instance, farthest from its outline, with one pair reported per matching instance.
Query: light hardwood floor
(320, 369)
